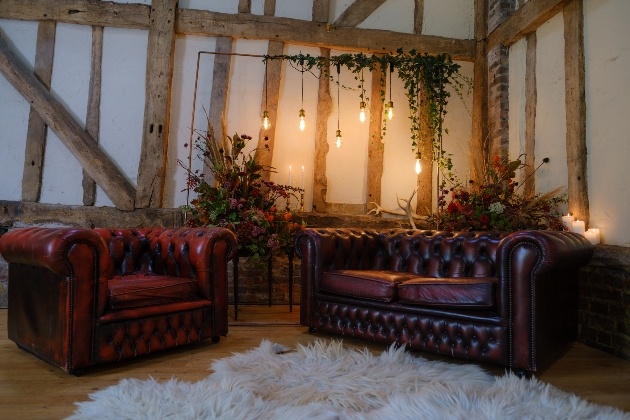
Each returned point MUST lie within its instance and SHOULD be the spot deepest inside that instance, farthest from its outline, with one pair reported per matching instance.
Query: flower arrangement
(495, 204)
(239, 198)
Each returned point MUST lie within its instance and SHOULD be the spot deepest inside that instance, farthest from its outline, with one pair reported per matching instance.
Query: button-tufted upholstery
(504, 298)
(82, 297)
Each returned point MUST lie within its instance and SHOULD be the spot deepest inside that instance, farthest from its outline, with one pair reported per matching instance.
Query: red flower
(485, 219)
(452, 207)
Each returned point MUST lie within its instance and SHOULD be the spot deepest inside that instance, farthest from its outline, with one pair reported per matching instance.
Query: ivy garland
(425, 79)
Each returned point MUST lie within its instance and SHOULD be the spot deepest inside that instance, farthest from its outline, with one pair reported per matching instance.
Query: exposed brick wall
(604, 306)
(253, 285)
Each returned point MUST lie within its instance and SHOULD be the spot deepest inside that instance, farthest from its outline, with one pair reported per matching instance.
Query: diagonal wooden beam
(35, 149)
(81, 145)
(524, 21)
(357, 12)
(321, 10)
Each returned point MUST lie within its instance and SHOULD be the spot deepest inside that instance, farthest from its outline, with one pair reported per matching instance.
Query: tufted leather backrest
(440, 254)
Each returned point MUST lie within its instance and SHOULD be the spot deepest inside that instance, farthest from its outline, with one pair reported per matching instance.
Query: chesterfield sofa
(507, 299)
(84, 297)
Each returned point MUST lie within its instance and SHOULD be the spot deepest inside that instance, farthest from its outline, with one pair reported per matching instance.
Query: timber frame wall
(497, 26)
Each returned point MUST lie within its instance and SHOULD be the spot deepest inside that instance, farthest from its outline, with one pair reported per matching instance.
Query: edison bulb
(390, 110)
(302, 122)
(265, 122)
(362, 112)
(418, 167)
(338, 141)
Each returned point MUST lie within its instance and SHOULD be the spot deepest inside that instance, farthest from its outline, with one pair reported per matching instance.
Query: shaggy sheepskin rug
(325, 380)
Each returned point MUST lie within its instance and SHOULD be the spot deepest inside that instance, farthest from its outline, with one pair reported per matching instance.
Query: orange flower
(287, 216)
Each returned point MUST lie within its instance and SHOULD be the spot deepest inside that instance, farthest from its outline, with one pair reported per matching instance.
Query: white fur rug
(328, 381)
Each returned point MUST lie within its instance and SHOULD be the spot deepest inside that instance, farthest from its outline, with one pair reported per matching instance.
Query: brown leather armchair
(83, 297)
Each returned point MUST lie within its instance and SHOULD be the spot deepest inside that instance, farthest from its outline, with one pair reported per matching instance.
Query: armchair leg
(311, 330)
(215, 339)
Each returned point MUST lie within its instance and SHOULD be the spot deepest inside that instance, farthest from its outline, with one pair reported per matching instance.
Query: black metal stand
(235, 262)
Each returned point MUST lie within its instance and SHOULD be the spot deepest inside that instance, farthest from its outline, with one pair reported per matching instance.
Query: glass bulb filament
(390, 110)
(338, 141)
(265, 122)
(362, 112)
(302, 122)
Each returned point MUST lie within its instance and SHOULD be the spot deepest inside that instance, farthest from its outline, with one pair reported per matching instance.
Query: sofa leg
(215, 339)
(311, 330)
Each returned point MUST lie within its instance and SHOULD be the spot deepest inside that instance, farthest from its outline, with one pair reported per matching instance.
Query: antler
(407, 210)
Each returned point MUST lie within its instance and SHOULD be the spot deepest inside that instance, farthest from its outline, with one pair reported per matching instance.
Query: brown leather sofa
(509, 299)
(81, 297)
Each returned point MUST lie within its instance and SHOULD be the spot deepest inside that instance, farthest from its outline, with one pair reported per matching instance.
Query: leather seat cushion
(477, 292)
(369, 284)
(138, 290)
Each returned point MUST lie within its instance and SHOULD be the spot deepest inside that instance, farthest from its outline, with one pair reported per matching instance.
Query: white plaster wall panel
(517, 101)
(399, 159)
(258, 7)
(122, 100)
(607, 51)
(62, 177)
(222, 6)
(448, 18)
(346, 168)
(392, 15)
(337, 7)
(551, 110)
(458, 122)
(296, 9)
(293, 147)
(22, 38)
(182, 93)
(246, 89)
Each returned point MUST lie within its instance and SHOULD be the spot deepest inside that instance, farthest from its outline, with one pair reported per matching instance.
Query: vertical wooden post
(376, 148)
(37, 128)
(219, 92)
(160, 52)
(576, 109)
(324, 109)
(529, 187)
(92, 119)
(479, 138)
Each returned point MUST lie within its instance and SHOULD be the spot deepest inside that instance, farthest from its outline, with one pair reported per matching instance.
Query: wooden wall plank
(160, 53)
(299, 32)
(324, 110)
(81, 145)
(418, 16)
(321, 11)
(479, 136)
(36, 135)
(83, 12)
(219, 94)
(575, 100)
(531, 95)
(525, 21)
(376, 147)
(244, 6)
(357, 12)
(425, 179)
(264, 154)
(269, 9)
(93, 116)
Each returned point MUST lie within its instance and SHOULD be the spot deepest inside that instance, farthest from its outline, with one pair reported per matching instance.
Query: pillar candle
(289, 183)
(578, 227)
(302, 176)
(567, 221)
(592, 235)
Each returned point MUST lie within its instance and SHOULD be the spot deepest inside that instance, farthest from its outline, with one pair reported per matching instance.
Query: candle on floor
(578, 227)
(567, 220)
(592, 235)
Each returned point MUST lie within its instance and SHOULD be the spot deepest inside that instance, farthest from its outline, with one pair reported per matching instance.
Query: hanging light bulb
(265, 121)
(302, 122)
(390, 110)
(418, 165)
(362, 112)
(338, 141)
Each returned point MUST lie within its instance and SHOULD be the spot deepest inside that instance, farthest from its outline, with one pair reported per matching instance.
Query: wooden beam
(36, 135)
(82, 12)
(418, 16)
(81, 145)
(201, 22)
(160, 53)
(525, 21)
(264, 155)
(93, 117)
(575, 100)
(299, 32)
(324, 109)
(376, 148)
(424, 195)
(269, 9)
(479, 136)
(357, 12)
(244, 6)
(531, 95)
(321, 11)
(219, 92)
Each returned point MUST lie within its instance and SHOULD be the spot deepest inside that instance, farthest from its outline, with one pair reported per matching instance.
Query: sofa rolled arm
(48, 248)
